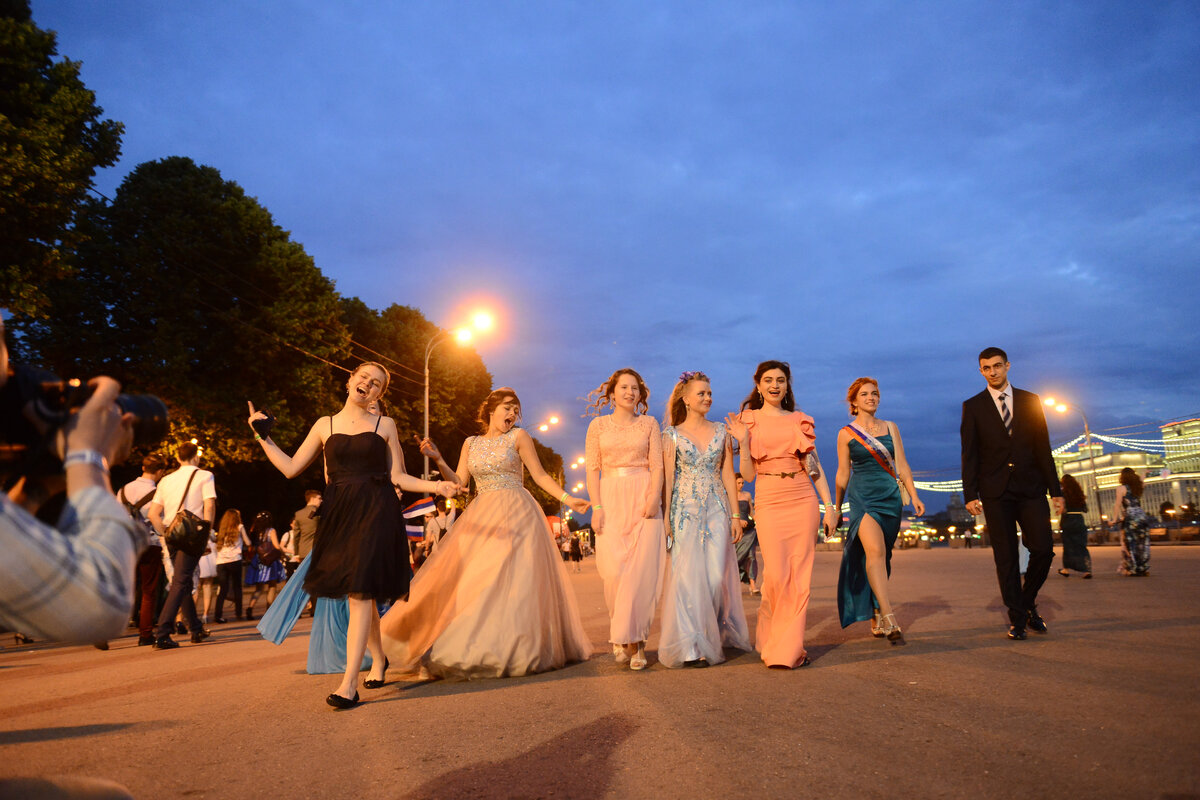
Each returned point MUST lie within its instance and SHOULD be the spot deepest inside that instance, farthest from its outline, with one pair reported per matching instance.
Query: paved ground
(1104, 706)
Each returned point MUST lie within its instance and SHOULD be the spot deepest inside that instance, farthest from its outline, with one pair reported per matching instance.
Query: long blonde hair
(230, 528)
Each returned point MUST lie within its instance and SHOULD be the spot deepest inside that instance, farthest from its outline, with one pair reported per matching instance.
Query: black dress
(360, 546)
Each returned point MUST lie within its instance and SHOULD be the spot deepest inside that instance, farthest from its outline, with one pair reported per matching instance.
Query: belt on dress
(623, 471)
(784, 474)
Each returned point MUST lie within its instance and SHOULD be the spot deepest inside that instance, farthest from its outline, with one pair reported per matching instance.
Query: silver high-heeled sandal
(876, 631)
(889, 628)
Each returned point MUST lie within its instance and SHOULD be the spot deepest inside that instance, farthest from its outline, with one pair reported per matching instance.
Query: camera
(35, 403)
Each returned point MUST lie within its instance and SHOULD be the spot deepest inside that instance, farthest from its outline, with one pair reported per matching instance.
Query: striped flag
(415, 531)
(420, 508)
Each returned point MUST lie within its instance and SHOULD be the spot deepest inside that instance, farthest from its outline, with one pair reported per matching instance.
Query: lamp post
(1063, 408)
(480, 321)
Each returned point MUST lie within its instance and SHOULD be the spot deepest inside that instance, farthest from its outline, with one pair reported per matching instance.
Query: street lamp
(481, 321)
(1063, 408)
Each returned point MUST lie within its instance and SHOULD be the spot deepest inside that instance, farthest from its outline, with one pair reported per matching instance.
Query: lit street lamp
(481, 321)
(1063, 408)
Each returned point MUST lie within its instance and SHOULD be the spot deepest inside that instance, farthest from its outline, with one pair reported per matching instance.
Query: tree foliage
(52, 141)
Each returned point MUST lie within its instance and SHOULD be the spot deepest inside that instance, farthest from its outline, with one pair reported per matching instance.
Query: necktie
(1005, 414)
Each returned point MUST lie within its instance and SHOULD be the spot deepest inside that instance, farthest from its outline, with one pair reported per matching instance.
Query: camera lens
(151, 424)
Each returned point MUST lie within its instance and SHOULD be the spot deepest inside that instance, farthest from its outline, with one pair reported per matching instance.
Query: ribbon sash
(876, 448)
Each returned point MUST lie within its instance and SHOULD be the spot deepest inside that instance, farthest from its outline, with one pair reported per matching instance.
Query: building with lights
(1170, 468)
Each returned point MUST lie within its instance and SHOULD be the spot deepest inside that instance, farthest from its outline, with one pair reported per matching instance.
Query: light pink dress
(631, 552)
(493, 599)
(786, 514)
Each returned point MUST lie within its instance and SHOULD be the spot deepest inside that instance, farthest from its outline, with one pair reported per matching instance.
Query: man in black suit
(1007, 469)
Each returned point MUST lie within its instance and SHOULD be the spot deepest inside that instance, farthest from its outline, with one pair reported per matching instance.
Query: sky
(868, 188)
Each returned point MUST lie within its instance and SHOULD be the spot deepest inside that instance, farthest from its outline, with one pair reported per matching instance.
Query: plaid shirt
(73, 583)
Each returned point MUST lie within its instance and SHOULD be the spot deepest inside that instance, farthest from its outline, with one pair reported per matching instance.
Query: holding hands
(580, 506)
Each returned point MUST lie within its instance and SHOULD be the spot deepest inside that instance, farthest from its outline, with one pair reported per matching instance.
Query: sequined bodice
(698, 469)
(494, 462)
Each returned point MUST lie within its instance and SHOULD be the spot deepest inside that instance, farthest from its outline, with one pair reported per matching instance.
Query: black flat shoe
(1016, 633)
(1066, 573)
(181, 629)
(698, 663)
(342, 703)
(165, 643)
(221, 620)
(377, 684)
(1035, 622)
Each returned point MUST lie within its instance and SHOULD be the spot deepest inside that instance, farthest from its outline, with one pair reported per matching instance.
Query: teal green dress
(872, 490)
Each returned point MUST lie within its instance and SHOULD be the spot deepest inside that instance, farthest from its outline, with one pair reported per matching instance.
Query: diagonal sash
(875, 447)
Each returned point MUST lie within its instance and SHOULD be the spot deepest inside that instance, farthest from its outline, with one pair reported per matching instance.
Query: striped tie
(1005, 414)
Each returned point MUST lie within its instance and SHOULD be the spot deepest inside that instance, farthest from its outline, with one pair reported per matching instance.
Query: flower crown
(684, 377)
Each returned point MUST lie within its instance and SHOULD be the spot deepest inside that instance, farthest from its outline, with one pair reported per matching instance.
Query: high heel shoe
(876, 631)
(890, 629)
(619, 654)
(638, 659)
(371, 683)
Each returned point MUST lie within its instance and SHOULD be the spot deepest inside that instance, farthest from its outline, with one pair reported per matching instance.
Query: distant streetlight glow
(483, 320)
(462, 335)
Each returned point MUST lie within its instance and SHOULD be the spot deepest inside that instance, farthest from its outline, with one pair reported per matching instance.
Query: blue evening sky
(877, 188)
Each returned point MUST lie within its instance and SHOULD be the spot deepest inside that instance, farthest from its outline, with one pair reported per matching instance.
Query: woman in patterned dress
(702, 605)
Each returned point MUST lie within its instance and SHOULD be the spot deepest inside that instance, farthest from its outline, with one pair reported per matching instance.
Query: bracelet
(90, 457)
(565, 497)
(597, 508)
(257, 438)
(736, 516)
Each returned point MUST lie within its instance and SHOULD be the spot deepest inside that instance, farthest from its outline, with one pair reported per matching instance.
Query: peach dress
(787, 516)
(631, 552)
(493, 599)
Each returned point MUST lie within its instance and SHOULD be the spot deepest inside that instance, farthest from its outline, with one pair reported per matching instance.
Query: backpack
(135, 510)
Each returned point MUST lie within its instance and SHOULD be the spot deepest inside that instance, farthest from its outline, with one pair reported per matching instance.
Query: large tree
(52, 141)
(188, 289)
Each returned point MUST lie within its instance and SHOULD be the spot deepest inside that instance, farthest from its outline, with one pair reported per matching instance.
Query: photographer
(73, 582)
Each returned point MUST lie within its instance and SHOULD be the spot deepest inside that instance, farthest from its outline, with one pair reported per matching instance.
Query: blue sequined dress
(702, 606)
(871, 490)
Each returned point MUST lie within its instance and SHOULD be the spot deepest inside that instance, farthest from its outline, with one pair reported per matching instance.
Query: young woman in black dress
(360, 549)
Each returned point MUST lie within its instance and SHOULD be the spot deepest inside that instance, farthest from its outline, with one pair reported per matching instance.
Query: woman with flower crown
(702, 603)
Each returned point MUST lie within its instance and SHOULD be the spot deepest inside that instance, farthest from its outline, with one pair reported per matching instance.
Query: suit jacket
(994, 462)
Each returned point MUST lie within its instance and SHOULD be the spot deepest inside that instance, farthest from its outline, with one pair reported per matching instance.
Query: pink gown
(631, 552)
(787, 515)
(493, 600)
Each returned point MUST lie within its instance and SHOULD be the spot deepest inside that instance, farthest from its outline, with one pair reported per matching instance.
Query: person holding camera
(187, 489)
(72, 582)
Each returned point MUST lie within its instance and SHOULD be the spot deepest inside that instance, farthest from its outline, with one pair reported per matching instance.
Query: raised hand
(737, 428)
(254, 415)
(428, 448)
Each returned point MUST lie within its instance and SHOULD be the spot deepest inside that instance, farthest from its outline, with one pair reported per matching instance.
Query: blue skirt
(327, 642)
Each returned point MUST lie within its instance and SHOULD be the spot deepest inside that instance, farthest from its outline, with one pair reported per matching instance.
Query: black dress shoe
(341, 703)
(165, 643)
(200, 635)
(221, 620)
(145, 641)
(181, 629)
(1035, 622)
(1016, 633)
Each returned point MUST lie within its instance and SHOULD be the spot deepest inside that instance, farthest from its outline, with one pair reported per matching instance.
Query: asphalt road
(1105, 705)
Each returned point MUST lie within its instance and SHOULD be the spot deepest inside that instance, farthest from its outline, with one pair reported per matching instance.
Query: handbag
(268, 553)
(187, 532)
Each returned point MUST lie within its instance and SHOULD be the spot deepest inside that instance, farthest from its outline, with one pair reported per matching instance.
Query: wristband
(565, 497)
(257, 438)
(736, 516)
(597, 508)
(90, 457)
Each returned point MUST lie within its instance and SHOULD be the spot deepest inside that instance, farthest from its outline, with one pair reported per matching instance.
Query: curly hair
(852, 392)
(676, 410)
(602, 395)
(1132, 482)
(262, 523)
(755, 398)
(492, 402)
(1073, 495)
